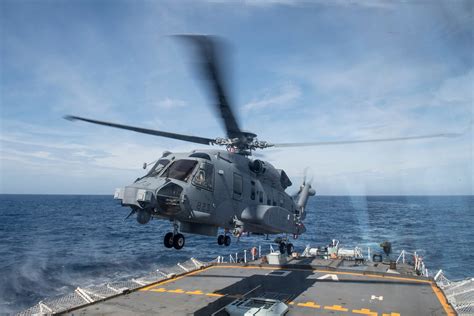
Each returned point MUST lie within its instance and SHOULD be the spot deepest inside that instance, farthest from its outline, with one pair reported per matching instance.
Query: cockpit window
(180, 170)
(159, 165)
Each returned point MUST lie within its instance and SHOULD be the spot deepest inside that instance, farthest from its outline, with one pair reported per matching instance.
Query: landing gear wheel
(178, 241)
(220, 240)
(227, 241)
(168, 241)
(289, 248)
(282, 248)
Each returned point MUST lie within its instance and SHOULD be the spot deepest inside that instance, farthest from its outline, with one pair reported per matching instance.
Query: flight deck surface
(308, 288)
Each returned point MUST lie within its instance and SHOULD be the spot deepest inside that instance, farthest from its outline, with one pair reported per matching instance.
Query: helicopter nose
(134, 196)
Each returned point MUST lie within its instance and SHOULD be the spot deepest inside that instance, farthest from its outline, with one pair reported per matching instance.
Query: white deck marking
(327, 276)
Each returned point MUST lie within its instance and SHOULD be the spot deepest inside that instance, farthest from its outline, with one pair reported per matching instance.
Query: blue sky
(299, 71)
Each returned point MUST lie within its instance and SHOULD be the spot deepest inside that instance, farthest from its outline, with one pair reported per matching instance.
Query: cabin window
(252, 190)
(204, 177)
(180, 170)
(260, 196)
(237, 186)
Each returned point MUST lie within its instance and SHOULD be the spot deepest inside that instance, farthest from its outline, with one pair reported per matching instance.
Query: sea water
(51, 244)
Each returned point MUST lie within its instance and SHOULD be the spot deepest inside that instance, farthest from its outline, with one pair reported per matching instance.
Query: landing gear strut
(174, 239)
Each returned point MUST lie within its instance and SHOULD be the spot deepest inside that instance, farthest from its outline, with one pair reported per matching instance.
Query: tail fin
(303, 195)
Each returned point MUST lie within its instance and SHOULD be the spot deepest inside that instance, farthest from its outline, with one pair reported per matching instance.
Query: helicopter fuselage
(207, 189)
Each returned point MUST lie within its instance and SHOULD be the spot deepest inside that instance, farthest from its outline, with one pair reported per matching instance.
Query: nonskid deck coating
(306, 291)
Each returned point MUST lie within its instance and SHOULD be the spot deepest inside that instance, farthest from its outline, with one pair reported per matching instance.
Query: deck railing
(86, 295)
(460, 294)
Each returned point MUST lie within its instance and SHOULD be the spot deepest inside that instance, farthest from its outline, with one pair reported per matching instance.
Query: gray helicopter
(204, 190)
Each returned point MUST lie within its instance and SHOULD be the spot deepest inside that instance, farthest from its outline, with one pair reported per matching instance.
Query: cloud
(168, 103)
(270, 99)
(345, 79)
(381, 4)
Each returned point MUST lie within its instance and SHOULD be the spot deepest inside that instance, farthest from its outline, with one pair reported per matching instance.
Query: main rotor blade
(186, 138)
(209, 57)
(375, 140)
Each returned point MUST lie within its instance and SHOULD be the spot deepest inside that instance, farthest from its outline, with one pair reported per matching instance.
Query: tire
(289, 248)
(282, 248)
(168, 240)
(220, 240)
(227, 241)
(178, 241)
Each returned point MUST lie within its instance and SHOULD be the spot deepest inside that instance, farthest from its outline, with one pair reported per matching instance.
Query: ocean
(51, 244)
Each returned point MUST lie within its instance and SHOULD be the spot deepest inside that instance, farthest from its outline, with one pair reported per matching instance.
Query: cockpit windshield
(180, 170)
(159, 165)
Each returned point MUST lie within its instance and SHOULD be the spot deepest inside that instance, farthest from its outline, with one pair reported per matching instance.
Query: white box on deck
(276, 258)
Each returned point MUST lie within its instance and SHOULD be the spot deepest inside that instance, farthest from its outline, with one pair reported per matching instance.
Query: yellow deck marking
(195, 292)
(146, 288)
(440, 296)
(364, 311)
(309, 304)
(176, 291)
(336, 308)
(442, 299)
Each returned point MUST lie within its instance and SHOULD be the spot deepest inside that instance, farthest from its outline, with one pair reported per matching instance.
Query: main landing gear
(174, 239)
(223, 240)
(284, 246)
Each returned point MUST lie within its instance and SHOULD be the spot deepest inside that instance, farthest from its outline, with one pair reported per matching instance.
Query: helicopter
(205, 190)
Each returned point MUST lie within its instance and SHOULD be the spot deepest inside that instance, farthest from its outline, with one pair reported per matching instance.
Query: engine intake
(257, 166)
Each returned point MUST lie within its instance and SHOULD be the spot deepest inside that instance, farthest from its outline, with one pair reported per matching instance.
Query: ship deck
(307, 286)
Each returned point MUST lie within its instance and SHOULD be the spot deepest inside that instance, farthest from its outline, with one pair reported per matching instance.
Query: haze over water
(50, 244)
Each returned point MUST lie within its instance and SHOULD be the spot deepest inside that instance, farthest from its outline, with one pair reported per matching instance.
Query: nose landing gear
(177, 241)
(174, 239)
(223, 240)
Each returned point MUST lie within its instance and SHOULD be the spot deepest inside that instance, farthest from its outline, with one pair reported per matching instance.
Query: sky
(297, 71)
